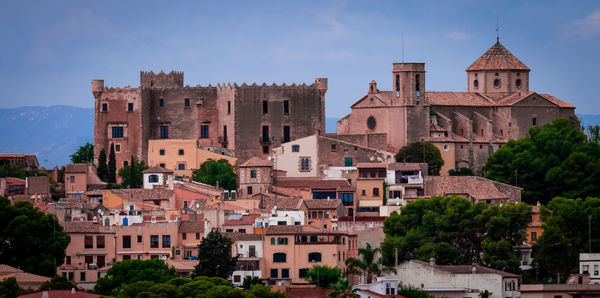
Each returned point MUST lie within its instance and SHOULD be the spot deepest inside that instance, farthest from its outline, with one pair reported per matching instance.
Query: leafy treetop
(213, 171)
(214, 256)
(128, 272)
(84, 154)
(422, 152)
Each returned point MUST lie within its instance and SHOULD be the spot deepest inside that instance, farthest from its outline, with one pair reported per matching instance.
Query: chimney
(45, 294)
(432, 261)
(473, 269)
(73, 290)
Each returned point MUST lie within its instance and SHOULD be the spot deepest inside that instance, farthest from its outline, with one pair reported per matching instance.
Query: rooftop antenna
(402, 46)
(497, 29)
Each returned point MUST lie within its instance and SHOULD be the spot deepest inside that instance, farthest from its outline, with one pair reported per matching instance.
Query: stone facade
(466, 126)
(250, 119)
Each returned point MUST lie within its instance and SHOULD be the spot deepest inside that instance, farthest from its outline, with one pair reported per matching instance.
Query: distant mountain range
(55, 132)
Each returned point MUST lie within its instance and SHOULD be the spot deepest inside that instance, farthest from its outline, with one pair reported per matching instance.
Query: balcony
(265, 140)
(223, 140)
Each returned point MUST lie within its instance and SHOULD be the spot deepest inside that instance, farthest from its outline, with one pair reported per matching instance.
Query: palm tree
(367, 265)
(342, 289)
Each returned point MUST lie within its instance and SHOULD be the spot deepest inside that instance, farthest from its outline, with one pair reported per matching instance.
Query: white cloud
(457, 35)
(585, 27)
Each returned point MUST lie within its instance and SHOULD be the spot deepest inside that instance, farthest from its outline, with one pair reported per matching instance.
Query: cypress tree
(132, 177)
(112, 165)
(102, 167)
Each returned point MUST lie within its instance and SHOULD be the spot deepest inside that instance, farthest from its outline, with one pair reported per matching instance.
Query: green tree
(566, 234)
(412, 292)
(213, 171)
(460, 172)
(102, 167)
(134, 289)
(58, 282)
(214, 256)
(454, 231)
(30, 239)
(132, 175)
(9, 288)
(323, 276)
(13, 170)
(422, 152)
(343, 289)
(593, 134)
(84, 154)
(128, 272)
(553, 160)
(262, 291)
(112, 165)
(249, 281)
(368, 266)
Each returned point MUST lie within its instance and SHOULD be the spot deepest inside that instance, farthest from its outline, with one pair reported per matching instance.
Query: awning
(370, 203)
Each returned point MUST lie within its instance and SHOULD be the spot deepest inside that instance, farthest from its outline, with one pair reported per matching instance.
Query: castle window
(376, 191)
(476, 84)
(187, 102)
(496, 83)
(534, 121)
(104, 107)
(286, 106)
(161, 102)
(265, 107)
(117, 148)
(181, 151)
(295, 148)
(249, 190)
(164, 132)
(501, 133)
(125, 163)
(181, 166)
(286, 133)
(224, 133)
(333, 148)
(203, 131)
(117, 131)
(265, 149)
(496, 74)
(518, 83)
(371, 122)
(130, 107)
(228, 107)
(161, 152)
(252, 173)
(397, 83)
(417, 83)
(162, 165)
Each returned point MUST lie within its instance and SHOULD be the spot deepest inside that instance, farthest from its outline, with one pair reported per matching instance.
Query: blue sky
(51, 50)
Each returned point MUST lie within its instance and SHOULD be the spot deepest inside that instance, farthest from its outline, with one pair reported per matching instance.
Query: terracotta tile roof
(406, 166)
(535, 224)
(192, 226)
(282, 203)
(557, 101)
(157, 169)
(457, 99)
(62, 294)
(257, 162)
(372, 165)
(467, 269)
(243, 220)
(322, 204)
(77, 168)
(514, 98)
(291, 230)
(312, 183)
(497, 58)
(476, 187)
(182, 265)
(5, 269)
(244, 237)
(81, 227)
(25, 278)
(362, 218)
(139, 195)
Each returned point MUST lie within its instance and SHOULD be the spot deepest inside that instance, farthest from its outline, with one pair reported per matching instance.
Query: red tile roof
(498, 58)
(157, 169)
(62, 294)
(313, 183)
(476, 187)
(557, 101)
(362, 218)
(282, 203)
(77, 168)
(192, 226)
(292, 230)
(322, 204)
(244, 237)
(81, 227)
(257, 162)
(457, 99)
(467, 269)
(372, 165)
(243, 221)
(139, 195)
(514, 98)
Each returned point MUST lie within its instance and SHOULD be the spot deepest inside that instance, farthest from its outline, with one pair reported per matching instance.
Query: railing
(265, 140)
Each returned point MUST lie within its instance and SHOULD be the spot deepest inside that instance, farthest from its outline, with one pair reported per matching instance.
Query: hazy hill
(55, 132)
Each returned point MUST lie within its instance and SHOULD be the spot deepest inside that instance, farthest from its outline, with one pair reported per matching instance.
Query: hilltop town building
(466, 126)
(250, 119)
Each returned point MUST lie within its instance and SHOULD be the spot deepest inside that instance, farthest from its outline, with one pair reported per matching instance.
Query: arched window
(314, 257)
(371, 88)
(476, 83)
(496, 83)
(397, 82)
(417, 83)
(153, 178)
(279, 257)
(282, 241)
(518, 83)
(272, 241)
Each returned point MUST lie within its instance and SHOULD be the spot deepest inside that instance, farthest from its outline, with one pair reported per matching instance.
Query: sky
(51, 50)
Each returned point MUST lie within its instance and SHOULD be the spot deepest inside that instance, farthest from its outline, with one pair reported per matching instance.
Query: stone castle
(254, 119)
(249, 119)
(466, 126)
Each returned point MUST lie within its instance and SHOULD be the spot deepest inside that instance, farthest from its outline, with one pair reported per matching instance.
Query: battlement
(408, 66)
(174, 79)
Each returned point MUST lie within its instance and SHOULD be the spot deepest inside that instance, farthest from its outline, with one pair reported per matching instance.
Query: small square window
(181, 166)
(187, 102)
(162, 165)
(204, 131)
(180, 151)
(333, 148)
(117, 148)
(164, 132)
(72, 179)
(249, 190)
(266, 149)
(104, 107)
(130, 107)
(125, 163)
(295, 148)
(252, 173)
(161, 151)
(139, 238)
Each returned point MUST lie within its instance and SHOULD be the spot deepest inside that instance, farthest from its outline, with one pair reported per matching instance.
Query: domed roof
(498, 58)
